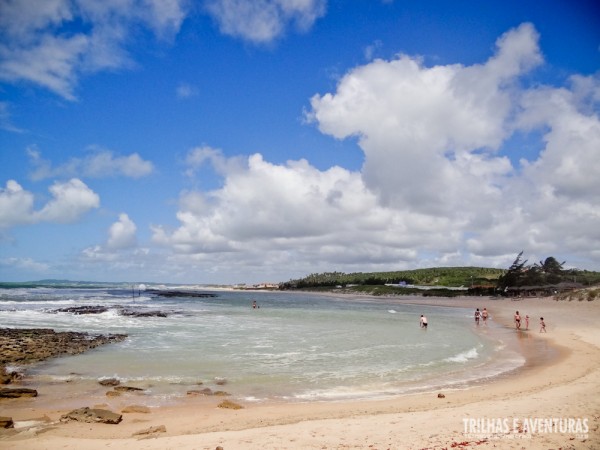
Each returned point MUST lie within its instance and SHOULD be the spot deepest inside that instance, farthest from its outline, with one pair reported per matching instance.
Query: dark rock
(82, 310)
(205, 391)
(127, 389)
(88, 415)
(9, 377)
(109, 382)
(26, 345)
(180, 293)
(129, 313)
(441, 396)
(6, 422)
(221, 394)
(17, 393)
(228, 404)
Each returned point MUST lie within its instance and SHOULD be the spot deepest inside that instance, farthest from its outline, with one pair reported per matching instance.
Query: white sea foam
(464, 356)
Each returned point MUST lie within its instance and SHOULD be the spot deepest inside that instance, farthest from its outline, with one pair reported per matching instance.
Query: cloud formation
(54, 42)
(121, 234)
(437, 186)
(261, 21)
(97, 164)
(70, 200)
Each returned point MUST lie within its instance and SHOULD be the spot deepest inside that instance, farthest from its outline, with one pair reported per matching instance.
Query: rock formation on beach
(30, 345)
(27, 345)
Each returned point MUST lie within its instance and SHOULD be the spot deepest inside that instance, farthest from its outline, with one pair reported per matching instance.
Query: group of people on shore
(517, 319)
(483, 316)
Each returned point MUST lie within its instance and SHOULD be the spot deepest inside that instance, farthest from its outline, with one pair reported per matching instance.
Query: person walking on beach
(423, 322)
(484, 315)
(477, 316)
(542, 325)
(526, 322)
(517, 320)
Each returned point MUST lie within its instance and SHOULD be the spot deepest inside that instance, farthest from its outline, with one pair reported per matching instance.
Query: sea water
(292, 347)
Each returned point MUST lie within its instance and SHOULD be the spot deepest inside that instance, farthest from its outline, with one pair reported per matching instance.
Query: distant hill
(435, 276)
(438, 281)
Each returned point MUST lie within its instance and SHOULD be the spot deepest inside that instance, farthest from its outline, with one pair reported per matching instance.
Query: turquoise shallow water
(294, 347)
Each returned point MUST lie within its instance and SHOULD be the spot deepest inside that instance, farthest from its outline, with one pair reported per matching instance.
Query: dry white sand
(490, 415)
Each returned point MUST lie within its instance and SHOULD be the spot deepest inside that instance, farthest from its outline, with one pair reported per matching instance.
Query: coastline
(562, 387)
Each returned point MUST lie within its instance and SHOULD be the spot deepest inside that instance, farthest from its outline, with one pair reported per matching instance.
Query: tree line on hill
(475, 280)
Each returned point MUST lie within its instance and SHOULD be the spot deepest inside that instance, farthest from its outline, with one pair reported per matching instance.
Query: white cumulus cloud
(70, 201)
(440, 183)
(121, 234)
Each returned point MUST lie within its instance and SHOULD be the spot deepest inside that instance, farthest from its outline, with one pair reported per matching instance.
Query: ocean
(292, 347)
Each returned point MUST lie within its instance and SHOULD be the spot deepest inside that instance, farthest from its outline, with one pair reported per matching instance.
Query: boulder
(6, 422)
(17, 393)
(109, 382)
(221, 394)
(227, 404)
(88, 415)
(82, 310)
(127, 389)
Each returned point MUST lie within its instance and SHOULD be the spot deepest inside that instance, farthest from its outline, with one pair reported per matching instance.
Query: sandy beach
(550, 403)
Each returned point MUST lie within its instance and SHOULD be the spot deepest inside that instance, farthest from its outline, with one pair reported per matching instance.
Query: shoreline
(562, 387)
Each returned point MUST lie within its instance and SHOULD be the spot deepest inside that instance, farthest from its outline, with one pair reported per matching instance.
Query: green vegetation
(438, 276)
(443, 281)
(544, 273)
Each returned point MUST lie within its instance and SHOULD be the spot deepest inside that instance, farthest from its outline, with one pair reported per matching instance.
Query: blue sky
(232, 141)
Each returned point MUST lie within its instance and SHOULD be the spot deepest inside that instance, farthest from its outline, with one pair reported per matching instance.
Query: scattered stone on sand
(113, 393)
(136, 409)
(440, 395)
(109, 382)
(17, 392)
(6, 422)
(228, 404)
(151, 430)
(128, 389)
(7, 377)
(221, 394)
(205, 391)
(88, 415)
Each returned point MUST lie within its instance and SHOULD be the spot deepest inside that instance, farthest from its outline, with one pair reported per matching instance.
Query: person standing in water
(542, 325)
(484, 315)
(477, 316)
(423, 322)
(517, 320)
